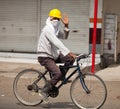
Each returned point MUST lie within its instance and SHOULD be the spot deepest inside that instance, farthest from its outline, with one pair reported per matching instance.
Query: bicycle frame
(77, 66)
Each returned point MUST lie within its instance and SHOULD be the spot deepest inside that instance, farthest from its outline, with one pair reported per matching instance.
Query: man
(51, 49)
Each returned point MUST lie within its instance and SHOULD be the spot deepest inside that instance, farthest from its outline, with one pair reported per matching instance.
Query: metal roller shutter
(78, 12)
(18, 25)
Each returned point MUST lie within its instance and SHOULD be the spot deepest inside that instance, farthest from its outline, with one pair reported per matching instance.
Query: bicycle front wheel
(26, 86)
(93, 100)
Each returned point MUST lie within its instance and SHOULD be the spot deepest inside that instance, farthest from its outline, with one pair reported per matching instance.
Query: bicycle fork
(81, 76)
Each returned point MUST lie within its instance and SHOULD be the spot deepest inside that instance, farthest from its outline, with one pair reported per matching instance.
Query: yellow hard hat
(55, 13)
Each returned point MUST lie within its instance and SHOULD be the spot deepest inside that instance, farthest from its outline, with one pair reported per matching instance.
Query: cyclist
(50, 43)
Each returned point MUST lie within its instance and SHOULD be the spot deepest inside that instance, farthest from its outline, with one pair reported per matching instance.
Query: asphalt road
(63, 101)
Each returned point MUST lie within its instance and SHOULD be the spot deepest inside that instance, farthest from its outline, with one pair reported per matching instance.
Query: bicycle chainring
(53, 92)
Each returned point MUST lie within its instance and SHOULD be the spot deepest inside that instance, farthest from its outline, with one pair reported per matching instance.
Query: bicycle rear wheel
(93, 100)
(26, 86)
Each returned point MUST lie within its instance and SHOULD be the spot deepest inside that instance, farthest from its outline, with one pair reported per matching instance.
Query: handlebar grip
(82, 56)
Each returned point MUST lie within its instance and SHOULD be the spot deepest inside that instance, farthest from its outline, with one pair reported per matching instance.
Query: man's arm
(64, 34)
(65, 21)
(55, 41)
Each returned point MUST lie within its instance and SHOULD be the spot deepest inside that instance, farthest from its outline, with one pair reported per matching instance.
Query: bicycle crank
(53, 92)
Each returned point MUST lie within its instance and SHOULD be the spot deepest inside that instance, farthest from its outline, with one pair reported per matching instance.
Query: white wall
(100, 6)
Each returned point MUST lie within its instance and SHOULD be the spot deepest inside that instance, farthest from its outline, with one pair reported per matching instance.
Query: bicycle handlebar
(82, 56)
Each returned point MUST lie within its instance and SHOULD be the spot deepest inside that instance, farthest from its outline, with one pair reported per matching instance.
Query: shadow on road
(59, 105)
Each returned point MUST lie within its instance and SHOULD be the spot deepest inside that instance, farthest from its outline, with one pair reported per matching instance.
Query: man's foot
(44, 96)
(47, 87)
(44, 92)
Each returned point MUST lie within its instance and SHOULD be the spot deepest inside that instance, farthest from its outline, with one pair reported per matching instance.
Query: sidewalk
(112, 73)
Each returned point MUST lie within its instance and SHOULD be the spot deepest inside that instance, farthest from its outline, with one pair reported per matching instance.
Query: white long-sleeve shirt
(49, 41)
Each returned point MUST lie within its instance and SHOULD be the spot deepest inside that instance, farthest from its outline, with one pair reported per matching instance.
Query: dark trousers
(50, 65)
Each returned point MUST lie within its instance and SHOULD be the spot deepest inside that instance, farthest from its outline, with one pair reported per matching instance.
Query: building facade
(110, 40)
(21, 22)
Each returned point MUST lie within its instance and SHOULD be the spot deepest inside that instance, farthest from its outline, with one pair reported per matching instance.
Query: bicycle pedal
(46, 100)
(44, 96)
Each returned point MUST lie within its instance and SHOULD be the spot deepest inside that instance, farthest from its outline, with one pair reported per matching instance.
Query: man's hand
(65, 20)
(72, 55)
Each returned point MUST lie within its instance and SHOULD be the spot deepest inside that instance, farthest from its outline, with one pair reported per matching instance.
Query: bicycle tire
(97, 96)
(21, 83)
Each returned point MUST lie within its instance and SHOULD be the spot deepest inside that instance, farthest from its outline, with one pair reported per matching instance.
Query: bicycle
(87, 91)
